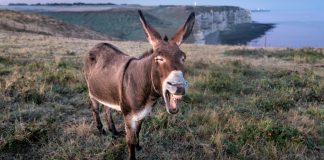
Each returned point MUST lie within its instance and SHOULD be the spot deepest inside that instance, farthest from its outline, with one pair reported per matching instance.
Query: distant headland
(61, 4)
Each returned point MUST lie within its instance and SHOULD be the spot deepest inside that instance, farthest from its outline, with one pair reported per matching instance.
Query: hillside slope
(32, 23)
(120, 23)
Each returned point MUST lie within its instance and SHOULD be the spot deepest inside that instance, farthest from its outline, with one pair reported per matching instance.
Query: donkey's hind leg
(110, 121)
(96, 116)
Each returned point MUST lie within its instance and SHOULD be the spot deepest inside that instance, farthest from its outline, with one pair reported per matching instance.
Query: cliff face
(213, 21)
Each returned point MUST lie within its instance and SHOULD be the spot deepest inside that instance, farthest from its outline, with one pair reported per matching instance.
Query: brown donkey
(133, 85)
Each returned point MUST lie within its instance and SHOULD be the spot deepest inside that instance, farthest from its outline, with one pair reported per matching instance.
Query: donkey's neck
(137, 83)
(145, 66)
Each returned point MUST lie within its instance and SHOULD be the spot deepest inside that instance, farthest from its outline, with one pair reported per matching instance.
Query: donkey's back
(104, 66)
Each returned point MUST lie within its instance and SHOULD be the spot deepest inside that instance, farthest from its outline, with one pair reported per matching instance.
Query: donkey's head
(168, 62)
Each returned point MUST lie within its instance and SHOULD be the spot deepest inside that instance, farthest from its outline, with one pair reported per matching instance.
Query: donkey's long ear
(152, 35)
(184, 31)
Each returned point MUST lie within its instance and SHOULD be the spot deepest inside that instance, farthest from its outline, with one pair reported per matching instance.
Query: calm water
(294, 29)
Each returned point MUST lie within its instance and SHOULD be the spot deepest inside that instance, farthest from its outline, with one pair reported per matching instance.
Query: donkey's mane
(146, 54)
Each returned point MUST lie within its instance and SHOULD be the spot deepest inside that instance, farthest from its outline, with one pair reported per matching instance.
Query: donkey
(133, 85)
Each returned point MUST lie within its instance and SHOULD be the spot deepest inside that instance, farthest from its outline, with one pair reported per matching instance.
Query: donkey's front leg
(132, 129)
(138, 129)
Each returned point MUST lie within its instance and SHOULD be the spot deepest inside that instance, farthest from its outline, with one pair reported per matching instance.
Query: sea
(293, 29)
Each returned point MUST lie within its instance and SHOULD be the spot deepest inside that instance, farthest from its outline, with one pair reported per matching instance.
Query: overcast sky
(249, 4)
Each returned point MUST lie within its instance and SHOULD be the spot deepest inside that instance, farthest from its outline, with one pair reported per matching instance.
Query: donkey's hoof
(102, 132)
(118, 134)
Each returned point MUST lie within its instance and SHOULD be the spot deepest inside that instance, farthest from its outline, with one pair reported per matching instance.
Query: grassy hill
(31, 23)
(243, 103)
(121, 23)
(124, 23)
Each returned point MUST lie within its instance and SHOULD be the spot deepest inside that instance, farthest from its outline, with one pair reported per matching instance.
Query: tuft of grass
(5, 61)
(116, 152)
(23, 140)
(4, 72)
(70, 53)
(33, 96)
(316, 112)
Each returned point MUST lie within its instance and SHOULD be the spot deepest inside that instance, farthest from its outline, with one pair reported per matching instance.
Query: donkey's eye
(182, 60)
(159, 59)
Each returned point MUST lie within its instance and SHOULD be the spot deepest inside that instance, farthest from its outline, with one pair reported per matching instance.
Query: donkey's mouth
(171, 101)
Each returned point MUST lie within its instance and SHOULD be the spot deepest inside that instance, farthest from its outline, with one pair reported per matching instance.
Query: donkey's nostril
(176, 84)
(174, 110)
(180, 91)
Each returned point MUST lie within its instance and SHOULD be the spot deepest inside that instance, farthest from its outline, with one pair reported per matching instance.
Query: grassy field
(243, 103)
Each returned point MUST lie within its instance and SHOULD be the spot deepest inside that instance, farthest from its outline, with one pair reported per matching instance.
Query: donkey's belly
(104, 69)
(105, 89)
(105, 103)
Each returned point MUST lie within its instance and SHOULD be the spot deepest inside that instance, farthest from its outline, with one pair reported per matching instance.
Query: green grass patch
(116, 152)
(316, 112)
(253, 53)
(273, 103)
(33, 96)
(273, 132)
(5, 61)
(309, 55)
(21, 142)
